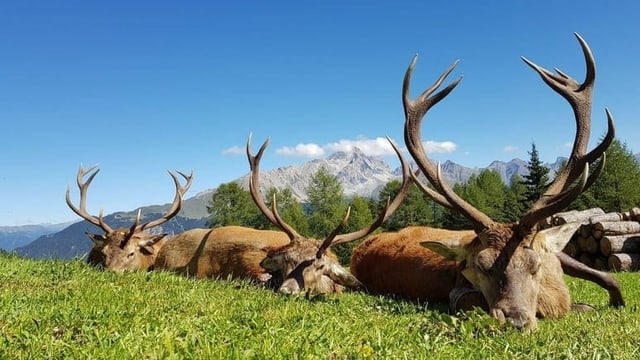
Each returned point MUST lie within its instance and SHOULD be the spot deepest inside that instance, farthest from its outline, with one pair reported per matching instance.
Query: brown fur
(263, 256)
(395, 263)
(229, 251)
(114, 252)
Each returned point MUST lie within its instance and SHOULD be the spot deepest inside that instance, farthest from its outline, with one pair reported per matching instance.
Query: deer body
(396, 263)
(517, 267)
(229, 251)
(124, 249)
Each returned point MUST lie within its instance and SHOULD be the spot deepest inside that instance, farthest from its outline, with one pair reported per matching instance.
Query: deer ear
(151, 245)
(557, 237)
(97, 239)
(341, 276)
(452, 248)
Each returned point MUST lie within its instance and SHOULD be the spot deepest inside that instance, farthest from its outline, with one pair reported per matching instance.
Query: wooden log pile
(604, 241)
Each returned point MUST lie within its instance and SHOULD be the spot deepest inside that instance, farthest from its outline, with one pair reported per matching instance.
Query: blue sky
(141, 87)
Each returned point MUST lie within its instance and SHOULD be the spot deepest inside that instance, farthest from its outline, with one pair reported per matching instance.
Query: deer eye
(130, 255)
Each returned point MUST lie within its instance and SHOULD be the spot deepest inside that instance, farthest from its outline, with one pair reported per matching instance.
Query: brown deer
(122, 249)
(283, 260)
(517, 268)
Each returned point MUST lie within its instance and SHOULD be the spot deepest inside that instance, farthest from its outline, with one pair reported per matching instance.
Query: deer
(282, 259)
(124, 248)
(512, 270)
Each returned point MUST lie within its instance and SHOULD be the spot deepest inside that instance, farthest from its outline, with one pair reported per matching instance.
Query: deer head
(307, 264)
(124, 249)
(514, 265)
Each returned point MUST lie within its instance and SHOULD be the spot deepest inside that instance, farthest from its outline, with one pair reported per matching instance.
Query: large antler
(390, 207)
(560, 194)
(82, 211)
(136, 227)
(254, 190)
(414, 111)
(333, 238)
(175, 207)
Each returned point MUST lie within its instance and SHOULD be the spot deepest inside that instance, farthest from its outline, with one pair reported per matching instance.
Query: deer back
(229, 251)
(395, 263)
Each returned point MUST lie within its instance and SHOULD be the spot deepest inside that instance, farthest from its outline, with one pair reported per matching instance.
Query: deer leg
(463, 297)
(573, 267)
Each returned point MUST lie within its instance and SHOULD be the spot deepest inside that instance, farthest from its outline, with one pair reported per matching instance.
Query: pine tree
(616, 189)
(326, 203)
(232, 205)
(537, 180)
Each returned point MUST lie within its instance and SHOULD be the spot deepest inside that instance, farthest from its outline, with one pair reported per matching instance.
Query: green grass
(67, 310)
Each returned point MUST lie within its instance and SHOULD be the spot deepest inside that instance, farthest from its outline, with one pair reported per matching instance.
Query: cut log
(633, 214)
(624, 262)
(606, 228)
(572, 216)
(585, 230)
(588, 244)
(613, 244)
(613, 216)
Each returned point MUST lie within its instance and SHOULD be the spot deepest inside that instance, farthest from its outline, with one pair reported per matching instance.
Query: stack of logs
(604, 241)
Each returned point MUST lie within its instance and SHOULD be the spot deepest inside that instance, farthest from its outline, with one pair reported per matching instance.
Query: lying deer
(121, 249)
(283, 260)
(517, 267)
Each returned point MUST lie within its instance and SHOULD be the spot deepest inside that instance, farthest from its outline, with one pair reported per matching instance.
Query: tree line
(617, 189)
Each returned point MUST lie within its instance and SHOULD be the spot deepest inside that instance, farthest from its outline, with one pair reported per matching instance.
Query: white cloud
(234, 150)
(372, 147)
(510, 149)
(302, 150)
(439, 146)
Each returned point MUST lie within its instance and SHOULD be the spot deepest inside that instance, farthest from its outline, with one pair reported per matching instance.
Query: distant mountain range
(358, 174)
(12, 237)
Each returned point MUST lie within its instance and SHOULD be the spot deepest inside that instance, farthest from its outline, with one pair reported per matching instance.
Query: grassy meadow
(67, 310)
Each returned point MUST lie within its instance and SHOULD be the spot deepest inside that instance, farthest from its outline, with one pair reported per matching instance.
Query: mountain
(637, 157)
(358, 174)
(12, 237)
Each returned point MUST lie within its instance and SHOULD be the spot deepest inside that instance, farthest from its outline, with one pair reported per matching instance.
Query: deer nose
(289, 286)
(517, 318)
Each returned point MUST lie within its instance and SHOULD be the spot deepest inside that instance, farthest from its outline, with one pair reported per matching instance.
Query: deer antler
(414, 111)
(560, 192)
(175, 206)
(254, 190)
(388, 210)
(136, 227)
(333, 238)
(84, 186)
(579, 96)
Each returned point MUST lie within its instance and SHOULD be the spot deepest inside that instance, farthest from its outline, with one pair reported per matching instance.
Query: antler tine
(132, 229)
(328, 241)
(559, 201)
(254, 190)
(579, 96)
(175, 206)
(390, 207)
(415, 110)
(293, 235)
(84, 186)
(431, 193)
